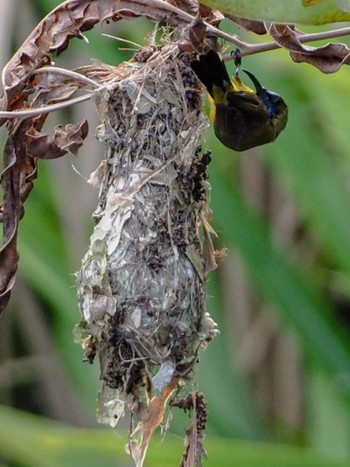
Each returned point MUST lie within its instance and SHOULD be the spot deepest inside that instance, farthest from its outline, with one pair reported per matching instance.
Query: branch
(72, 75)
(251, 49)
(45, 109)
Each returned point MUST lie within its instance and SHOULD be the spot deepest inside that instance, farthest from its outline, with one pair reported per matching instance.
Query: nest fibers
(141, 286)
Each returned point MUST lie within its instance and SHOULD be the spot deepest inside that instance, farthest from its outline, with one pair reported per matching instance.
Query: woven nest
(141, 286)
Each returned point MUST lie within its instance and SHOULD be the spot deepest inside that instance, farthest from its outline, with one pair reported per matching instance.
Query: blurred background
(277, 378)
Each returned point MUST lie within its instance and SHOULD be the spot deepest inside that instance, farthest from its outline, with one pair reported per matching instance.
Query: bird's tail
(212, 72)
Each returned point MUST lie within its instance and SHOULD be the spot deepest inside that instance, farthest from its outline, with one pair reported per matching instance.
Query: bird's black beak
(259, 89)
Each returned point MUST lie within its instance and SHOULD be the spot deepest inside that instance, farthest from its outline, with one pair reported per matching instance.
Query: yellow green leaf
(285, 11)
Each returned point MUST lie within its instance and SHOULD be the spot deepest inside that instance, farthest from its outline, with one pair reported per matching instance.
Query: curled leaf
(68, 20)
(328, 58)
(190, 6)
(16, 181)
(65, 139)
(258, 27)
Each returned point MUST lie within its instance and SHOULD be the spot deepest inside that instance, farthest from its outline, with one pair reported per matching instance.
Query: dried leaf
(194, 452)
(258, 27)
(71, 137)
(67, 139)
(151, 417)
(196, 34)
(328, 58)
(16, 181)
(211, 16)
(24, 146)
(190, 6)
(68, 20)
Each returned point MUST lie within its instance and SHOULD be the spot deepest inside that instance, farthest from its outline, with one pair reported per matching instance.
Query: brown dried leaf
(213, 17)
(26, 143)
(24, 146)
(258, 27)
(196, 34)
(71, 137)
(68, 20)
(16, 181)
(150, 418)
(190, 6)
(196, 37)
(8, 263)
(328, 58)
(67, 139)
(50, 80)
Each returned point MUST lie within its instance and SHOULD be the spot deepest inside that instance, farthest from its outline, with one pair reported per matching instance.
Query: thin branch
(250, 49)
(247, 48)
(316, 36)
(121, 39)
(189, 19)
(45, 109)
(69, 73)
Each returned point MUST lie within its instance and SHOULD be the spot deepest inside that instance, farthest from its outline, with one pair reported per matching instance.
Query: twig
(189, 19)
(250, 49)
(69, 73)
(45, 109)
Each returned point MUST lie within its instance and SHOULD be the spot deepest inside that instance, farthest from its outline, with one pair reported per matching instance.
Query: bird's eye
(272, 101)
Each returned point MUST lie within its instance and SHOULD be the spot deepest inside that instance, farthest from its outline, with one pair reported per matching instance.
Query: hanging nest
(141, 286)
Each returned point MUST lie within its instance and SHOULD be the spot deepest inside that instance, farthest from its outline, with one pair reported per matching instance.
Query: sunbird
(243, 118)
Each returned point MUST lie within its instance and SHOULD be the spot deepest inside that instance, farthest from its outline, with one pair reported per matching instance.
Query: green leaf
(285, 11)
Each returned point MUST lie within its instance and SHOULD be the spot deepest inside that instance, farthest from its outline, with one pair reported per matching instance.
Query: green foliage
(285, 11)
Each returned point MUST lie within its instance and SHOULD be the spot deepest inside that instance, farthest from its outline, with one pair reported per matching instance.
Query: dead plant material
(27, 75)
(195, 404)
(71, 19)
(25, 145)
(327, 58)
(141, 286)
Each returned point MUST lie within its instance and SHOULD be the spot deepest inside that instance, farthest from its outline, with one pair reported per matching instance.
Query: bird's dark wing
(212, 72)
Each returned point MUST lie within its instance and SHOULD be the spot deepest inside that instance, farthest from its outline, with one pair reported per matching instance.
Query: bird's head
(275, 105)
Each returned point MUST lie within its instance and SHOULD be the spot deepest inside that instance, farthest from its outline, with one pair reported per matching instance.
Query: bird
(243, 118)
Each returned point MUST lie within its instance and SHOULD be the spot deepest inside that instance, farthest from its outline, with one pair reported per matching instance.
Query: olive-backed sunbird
(242, 118)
